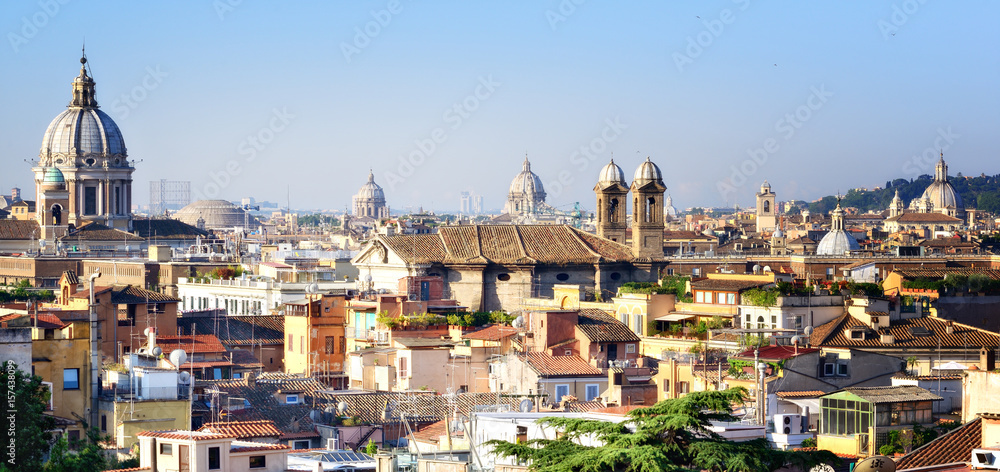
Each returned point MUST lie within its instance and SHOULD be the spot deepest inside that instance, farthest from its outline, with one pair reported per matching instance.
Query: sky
(296, 101)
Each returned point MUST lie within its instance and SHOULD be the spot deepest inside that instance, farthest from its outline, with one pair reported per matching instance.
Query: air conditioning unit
(413, 297)
(788, 424)
(985, 459)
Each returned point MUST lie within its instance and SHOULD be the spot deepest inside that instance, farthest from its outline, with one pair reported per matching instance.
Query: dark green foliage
(672, 435)
(31, 437)
(318, 219)
(983, 192)
(23, 292)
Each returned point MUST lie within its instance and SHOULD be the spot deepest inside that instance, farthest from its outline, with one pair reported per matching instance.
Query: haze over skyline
(250, 98)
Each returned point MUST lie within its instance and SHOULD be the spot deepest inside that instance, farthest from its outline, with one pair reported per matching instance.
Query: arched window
(613, 210)
(767, 206)
(650, 208)
(56, 214)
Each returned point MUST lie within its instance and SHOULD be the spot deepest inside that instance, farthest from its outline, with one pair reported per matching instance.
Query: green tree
(371, 449)
(86, 455)
(27, 398)
(672, 435)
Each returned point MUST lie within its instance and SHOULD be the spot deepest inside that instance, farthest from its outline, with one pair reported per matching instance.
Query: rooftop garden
(670, 284)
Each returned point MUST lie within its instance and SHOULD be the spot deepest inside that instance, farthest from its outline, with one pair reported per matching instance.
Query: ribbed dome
(371, 190)
(217, 214)
(527, 182)
(836, 243)
(943, 195)
(83, 131)
(940, 192)
(611, 174)
(647, 172)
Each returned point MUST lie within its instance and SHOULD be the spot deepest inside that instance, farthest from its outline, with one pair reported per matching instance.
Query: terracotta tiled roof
(814, 449)
(99, 232)
(506, 244)
(924, 218)
(132, 295)
(433, 432)
(193, 435)
(727, 284)
(600, 327)
(906, 376)
(962, 336)
(45, 321)
(243, 429)
(236, 330)
(900, 393)
(492, 333)
(197, 344)
(71, 277)
(547, 365)
(668, 235)
(17, 229)
(943, 272)
(243, 446)
(954, 446)
(776, 353)
(265, 405)
(801, 394)
(165, 228)
(946, 242)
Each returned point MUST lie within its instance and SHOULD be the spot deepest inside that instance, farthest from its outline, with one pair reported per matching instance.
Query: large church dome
(83, 131)
(83, 135)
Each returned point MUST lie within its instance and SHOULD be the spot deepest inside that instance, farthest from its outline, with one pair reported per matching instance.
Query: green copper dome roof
(53, 176)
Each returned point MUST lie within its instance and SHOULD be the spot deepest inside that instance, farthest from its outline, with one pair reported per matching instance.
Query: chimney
(987, 359)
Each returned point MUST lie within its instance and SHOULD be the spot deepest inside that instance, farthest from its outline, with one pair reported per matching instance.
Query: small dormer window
(291, 399)
(857, 334)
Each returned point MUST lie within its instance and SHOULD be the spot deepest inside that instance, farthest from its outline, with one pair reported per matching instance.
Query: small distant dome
(765, 187)
(836, 243)
(371, 189)
(611, 174)
(527, 182)
(668, 207)
(647, 172)
(778, 234)
(215, 214)
(54, 179)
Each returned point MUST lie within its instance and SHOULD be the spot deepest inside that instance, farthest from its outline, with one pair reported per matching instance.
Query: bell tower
(612, 200)
(766, 219)
(53, 205)
(647, 211)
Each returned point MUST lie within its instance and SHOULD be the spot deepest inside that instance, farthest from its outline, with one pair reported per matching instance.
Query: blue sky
(263, 98)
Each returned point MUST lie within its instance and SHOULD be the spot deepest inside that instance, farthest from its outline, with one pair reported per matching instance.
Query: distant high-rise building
(168, 195)
(470, 203)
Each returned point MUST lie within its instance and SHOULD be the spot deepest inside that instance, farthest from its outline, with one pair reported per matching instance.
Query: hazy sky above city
(254, 98)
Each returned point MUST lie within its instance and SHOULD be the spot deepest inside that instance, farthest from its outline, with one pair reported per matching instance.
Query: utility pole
(95, 355)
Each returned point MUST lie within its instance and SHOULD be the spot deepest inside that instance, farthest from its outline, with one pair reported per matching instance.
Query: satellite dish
(157, 351)
(808, 330)
(314, 287)
(876, 464)
(518, 322)
(146, 331)
(178, 357)
(525, 406)
(796, 340)
(184, 377)
(341, 407)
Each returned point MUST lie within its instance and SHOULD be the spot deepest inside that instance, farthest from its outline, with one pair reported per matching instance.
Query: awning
(675, 317)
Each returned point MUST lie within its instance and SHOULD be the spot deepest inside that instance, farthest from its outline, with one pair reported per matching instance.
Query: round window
(503, 277)
(562, 277)
(90, 162)
(616, 276)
